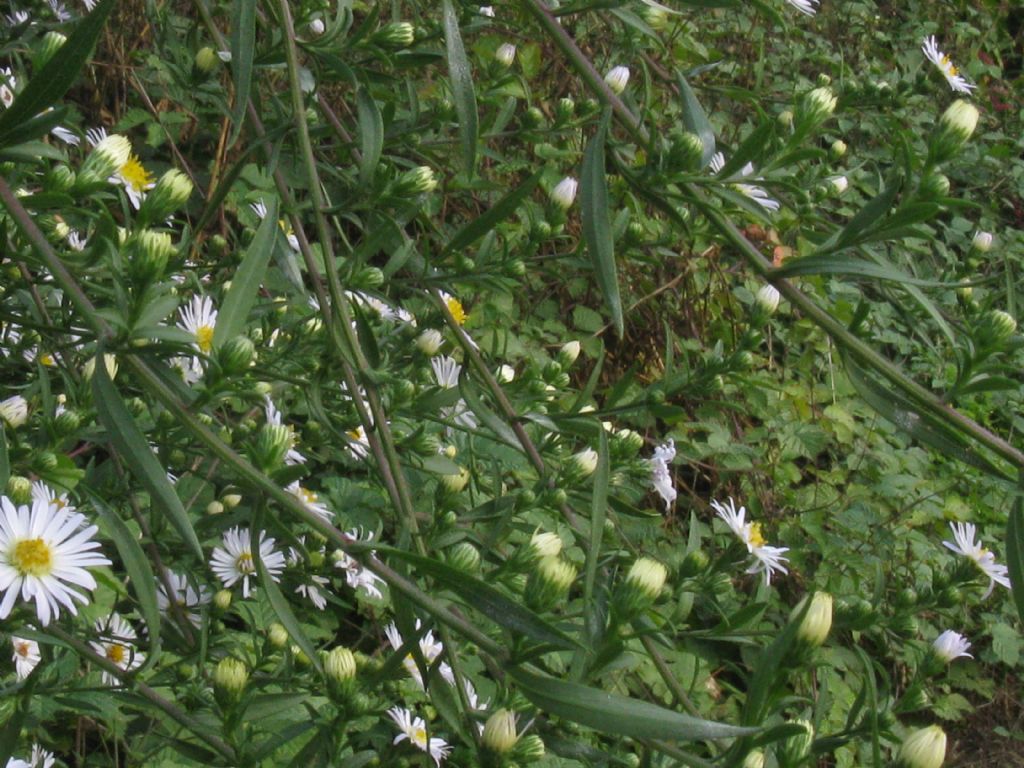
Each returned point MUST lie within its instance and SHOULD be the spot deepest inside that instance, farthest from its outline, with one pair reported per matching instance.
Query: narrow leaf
(283, 610)
(54, 79)
(462, 86)
(596, 222)
(247, 279)
(827, 264)
(243, 46)
(371, 135)
(135, 452)
(695, 120)
(1015, 553)
(613, 713)
(598, 509)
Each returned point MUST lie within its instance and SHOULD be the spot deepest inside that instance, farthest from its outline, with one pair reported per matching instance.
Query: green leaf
(371, 135)
(827, 264)
(247, 279)
(1015, 553)
(488, 417)
(54, 79)
(243, 45)
(486, 599)
(136, 566)
(867, 217)
(135, 452)
(598, 508)
(494, 215)
(613, 713)
(695, 120)
(596, 222)
(462, 86)
(5, 461)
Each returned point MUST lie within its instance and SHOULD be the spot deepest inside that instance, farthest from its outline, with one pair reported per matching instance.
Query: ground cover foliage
(593, 384)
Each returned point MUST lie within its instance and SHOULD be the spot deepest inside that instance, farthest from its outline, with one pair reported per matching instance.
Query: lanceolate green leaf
(596, 222)
(1015, 553)
(841, 265)
(493, 216)
(462, 86)
(613, 713)
(283, 610)
(243, 46)
(695, 120)
(598, 509)
(371, 135)
(488, 600)
(53, 80)
(124, 433)
(247, 279)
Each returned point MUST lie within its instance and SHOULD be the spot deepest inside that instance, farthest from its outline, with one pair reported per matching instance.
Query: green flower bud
(686, 151)
(277, 636)
(546, 544)
(568, 353)
(67, 423)
(641, 587)
(214, 508)
(149, 253)
(47, 49)
(565, 110)
(368, 278)
(584, 462)
(817, 622)
(416, 182)
(549, 583)
(933, 186)
(222, 600)
(695, 562)
(455, 483)
(106, 158)
(786, 118)
(464, 557)
(528, 749)
(171, 192)
(505, 55)
(206, 60)
(982, 241)
(398, 34)
(923, 748)
(955, 128)
(236, 355)
(994, 328)
(754, 759)
(429, 342)
(656, 18)
(272, 443)
(796, 749)
(19, 489)
(815, 108)
(617, 79)
(231, 500)
(838, 148)
(229, 681)
(499, 734)
(60, 178)
(767, 299)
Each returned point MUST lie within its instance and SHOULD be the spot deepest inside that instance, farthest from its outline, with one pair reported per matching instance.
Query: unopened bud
(838, 148)
(317, 27)
(277, 636)
(923, 748)
(767, 299)
(272, 443)
(505, 374)
(754, 759)
(549, 582)
(48, 47)
(686, 151)
(568, 353)
(505, 54)
(528, 749)
(982, 241)
(19, 489)
(838, 184)
(229, 681)
(546, 544)
(817, 622)
(149, 253)
(934, 186)
(995, 327)
(565, 110)
(398, 34)
(500, 732)
(14, 411)
(222, 600)
(67, 422)
(464, 557)
(417, 181)
(795, 749)
(617, 79)
(236, 354)
(815, 108)
(429, 341)
(171, 192)
(214, 508)
(656, 18)
(564, 193)
(206, 60)
(955, 128)
(585, 462)
(455, 483)
(106, 158)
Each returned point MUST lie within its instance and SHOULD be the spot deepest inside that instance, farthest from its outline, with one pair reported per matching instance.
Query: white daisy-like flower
(429, 647)
(42, 552)
(951, 645)
(809, 7)
(117, 645)
(40, 759)
(660, 477)
(26, 656)
(964, 545)
(768, 559)
(446, 371)
(68, 137)
(359, 443)
(313, 589)
(356, 576)
(190, 368)
(273, 415)
(455, 307)
(260, 209)
(200, 319)
(310, 500)
(41, 491)
(184, 594)
(76, 241)
(956, 81)
(132, 175)
(16, 18)
(59, 10)
(414, 730)
(487, 10)
(233, 561)
(758, 194)
(89, 4)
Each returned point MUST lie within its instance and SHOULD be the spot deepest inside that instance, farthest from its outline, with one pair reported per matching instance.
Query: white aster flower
(310, 500)
(14, 410)
(26, 656)
(951, 645)
(200, 319)
(76, 241)
(17, 17)
(233, 561)
(758, 194)
(414, 730)
(356, 576)
(458, 311)
(429, 648)
(66, 136)
(41, 491)
(292, 457)
(487, 10)
(965, 545)
(59, 10)
(42, 551)
(660, 477)
(446, 371)
(768, 559)
(117, 645)
(40, 759)
(359, 443)
(808, 7)
(312, 590)
(260, 209)
(956, 81)
(186, 596)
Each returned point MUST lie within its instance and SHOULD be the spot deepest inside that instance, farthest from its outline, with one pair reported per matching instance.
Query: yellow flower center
(32, 557)
(307, 495)
(948, 66)
(46, 359)
(22, 649)
(457, 310)
(135, 176)
(204, 338)
(756, 538)
(356, 434)
(420, 737)
(244, 563)
(116, 653)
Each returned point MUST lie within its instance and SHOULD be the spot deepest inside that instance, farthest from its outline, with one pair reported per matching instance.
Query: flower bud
(795, 749)
(817, 622)
(368, 278)
(923, 748)
(785, 118)
(505, 374)
(950, 645)
(19, 489)
(317, 27)
(429, 341)
(464, 557)
(767, 299)
(564, 193)
(236, 354)
(529, 748)
(656, 18)
(549, 583)
(617, 79)
(222, 600)
(584, 462)
(546, 544)
(149, 253)
(955, 128)
(206, 60)
(272, 443)
(171, 192)
(500, 732)
(48, 47)
(455, 483)
(67, 422)
(565, 110)
(339, 664)
(838, 148)
(754, 759)
(995, 327)
(231, 500)
(568, 353)
(14, 411)
(838, 184)
(686, 151)
(277, 636)
(60, 178)
(982, 241)
(214, 508)
(816, 107)
(106, 158)
(417, 181)
(109, 362)
(933, 186)
(505, 54)
(229, 681)
(648, 576)
(398, 34)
